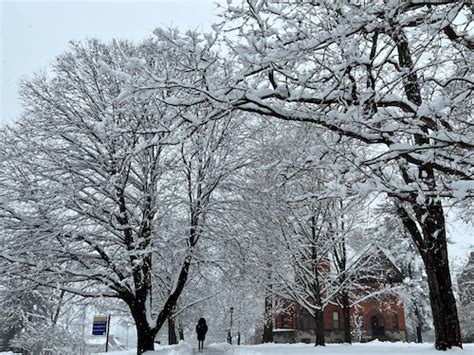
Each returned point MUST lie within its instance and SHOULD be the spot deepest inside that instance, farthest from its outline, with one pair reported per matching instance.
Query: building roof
(376, 266)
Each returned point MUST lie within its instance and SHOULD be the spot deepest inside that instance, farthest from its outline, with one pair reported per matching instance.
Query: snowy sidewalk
(208, 351)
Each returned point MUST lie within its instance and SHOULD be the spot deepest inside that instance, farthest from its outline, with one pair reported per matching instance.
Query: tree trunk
(268, 325)
(268, 332)
(443, 303)
(145, 339)
(435, 257)
(181, 332)
(172, 338)
(419, 338)
(433, 249)
(346, 316)
(319, 319)
(145, 334)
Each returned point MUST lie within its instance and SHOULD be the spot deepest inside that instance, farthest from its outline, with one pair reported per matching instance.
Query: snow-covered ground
(373, 348)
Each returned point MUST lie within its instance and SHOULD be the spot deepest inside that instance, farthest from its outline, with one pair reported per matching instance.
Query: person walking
(201, 330)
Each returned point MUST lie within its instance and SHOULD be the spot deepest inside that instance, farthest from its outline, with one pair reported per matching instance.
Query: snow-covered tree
(109, 198)
(299, 222)
(394, 77)
(32, 318)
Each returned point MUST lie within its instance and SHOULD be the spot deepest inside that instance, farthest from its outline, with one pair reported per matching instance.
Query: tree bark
(172, 338)
(145, 340)
(443, 303)
(419, 338)
(432, 246)
(181, 332)
(315, 287)
(268, 326)
(145, 334)
(319, 319)
(346, 316)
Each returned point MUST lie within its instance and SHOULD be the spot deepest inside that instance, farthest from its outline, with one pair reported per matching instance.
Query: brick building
(380, 317)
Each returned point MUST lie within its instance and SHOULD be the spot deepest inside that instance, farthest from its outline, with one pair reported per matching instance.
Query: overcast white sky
(34, 32)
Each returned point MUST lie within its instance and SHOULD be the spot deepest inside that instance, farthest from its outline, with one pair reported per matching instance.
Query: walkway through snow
(207, 351)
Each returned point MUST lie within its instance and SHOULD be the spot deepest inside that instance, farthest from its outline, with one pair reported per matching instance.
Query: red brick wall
(328, 317)
(367, 309)
(386, 308)
(292, 320)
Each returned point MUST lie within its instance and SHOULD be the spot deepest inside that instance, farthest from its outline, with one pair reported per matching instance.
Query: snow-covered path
(207, 351)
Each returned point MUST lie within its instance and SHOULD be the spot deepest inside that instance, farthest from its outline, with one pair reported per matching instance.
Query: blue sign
(99, 325)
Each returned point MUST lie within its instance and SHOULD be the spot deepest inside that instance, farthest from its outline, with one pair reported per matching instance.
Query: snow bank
(127, 352)
(375, 347)
(181, 349)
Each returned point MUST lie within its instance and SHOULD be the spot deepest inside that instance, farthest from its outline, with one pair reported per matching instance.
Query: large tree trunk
(432, 246)
(145, 340)
(346, 316)
(145, 335)
(319, 319)
(268, 325)
(140, 302)
(443, 303)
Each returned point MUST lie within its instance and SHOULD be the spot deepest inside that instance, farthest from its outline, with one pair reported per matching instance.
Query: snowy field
(372, 348)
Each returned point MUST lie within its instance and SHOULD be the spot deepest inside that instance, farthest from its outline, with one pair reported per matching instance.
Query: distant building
(380, 318)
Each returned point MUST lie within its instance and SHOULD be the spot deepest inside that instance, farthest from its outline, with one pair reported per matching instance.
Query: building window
(394, 321)
(285, 321)
(335, 320)
(305, 320)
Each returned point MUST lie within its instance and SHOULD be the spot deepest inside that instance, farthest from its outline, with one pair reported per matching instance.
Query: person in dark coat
(201, 330)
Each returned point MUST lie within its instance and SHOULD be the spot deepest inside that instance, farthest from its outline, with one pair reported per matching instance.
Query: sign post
(107, 335)
(101, 326)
